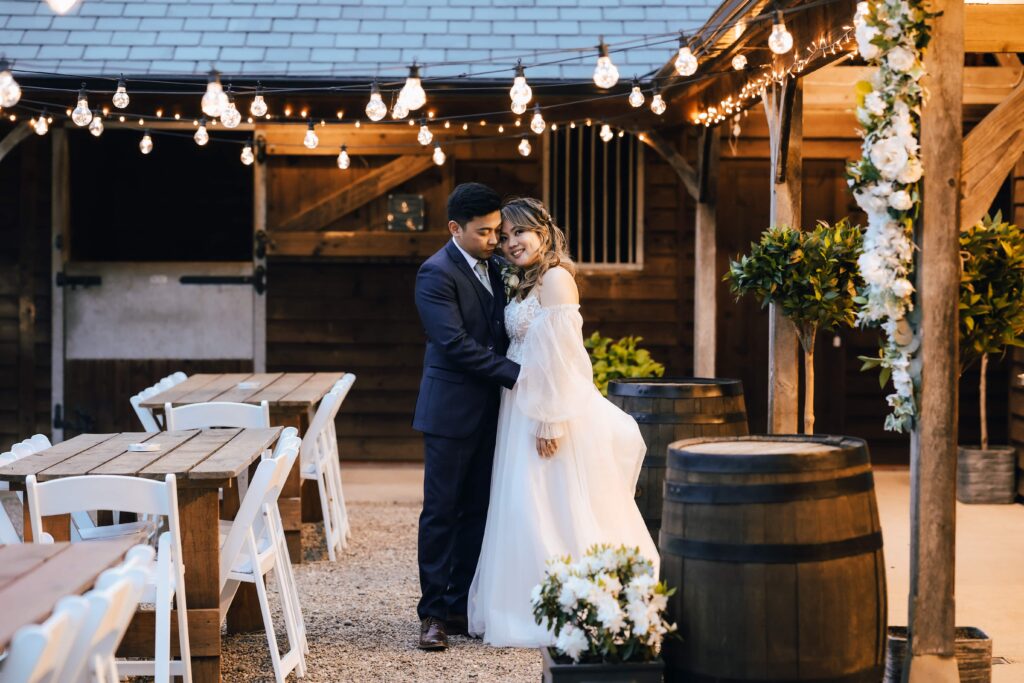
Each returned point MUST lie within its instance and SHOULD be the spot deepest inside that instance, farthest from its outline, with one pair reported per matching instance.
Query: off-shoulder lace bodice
(518, 316)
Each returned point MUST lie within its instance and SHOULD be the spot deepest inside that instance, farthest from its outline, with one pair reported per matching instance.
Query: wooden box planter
(627, 672)
(973, 654)
(986, 476)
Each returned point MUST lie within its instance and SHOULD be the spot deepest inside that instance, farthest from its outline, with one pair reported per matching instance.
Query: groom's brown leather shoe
(457, 625)
(433, 635)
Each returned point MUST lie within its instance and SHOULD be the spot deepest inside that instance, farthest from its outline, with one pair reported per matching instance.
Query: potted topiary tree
(991, 319)
(619, 359)
(812, 276)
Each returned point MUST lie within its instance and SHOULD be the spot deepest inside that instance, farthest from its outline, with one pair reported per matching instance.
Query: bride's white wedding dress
(542, 508)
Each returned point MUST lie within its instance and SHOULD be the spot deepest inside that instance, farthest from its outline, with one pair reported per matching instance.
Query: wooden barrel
(774, 547)
(668, 410)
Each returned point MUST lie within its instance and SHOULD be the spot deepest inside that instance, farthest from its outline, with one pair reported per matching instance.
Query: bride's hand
(546, 447)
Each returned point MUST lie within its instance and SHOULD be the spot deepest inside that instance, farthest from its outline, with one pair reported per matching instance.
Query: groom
(461, 301)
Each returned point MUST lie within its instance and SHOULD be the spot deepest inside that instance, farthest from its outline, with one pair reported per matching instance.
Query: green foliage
(991, 289)
(618, 359)
(811, 275)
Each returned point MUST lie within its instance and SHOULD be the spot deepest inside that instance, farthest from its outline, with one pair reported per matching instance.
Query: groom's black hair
(470, 200)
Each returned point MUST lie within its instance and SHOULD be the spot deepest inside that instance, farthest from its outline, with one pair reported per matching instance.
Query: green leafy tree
(812, 276)
(991, 296)
(619, 359)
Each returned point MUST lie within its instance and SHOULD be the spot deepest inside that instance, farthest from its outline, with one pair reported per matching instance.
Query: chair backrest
(40, 442)
(39, 654)
(178, 377)
(319, 431)
(217, 414)
(23, 448)
(145, 415)
(287, 435)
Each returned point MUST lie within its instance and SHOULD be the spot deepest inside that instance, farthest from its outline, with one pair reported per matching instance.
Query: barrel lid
(676, 387)
(774, 453)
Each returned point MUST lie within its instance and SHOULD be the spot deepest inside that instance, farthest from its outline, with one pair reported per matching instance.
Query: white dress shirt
(473, 261)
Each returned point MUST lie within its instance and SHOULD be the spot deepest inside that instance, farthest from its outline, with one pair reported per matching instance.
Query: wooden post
(705, 274)
(784, 108)
(26, 293)
(60, 201)
(930, 657)
(259, 226)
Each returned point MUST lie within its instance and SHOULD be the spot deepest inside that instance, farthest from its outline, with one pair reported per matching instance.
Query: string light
(10, 91)
(501, 129)
(146, 143)
(658, 105)
(247, 156)
(41, 125)
(521, 93)
(82, 115)
(311, 140)
(636, 96)
(61, 6)
(554, 126)
(781, 40)
(686, 63)
(96, 125)
(344, 161)
(259, 105)
(399, 111)
(231, 117)
(524, 147)
(120, 98)
(412, 94)
(375, 108)
(202, 136)
(572, 125)
(537, 124)
(606, 132)
(424, 137)
(605, 73)
(439, 155)
(214, 100)
(465, 126)
(739, 62)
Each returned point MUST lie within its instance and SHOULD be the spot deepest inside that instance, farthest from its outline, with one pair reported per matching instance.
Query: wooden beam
(362, 244)
(993, 28)
(29, 196)
(991, 150)
(60, 247)
(786, 198)
(679, 164)
(11, 140)
(706, 278)
(933, 445)
(833, 86)
(361, 192)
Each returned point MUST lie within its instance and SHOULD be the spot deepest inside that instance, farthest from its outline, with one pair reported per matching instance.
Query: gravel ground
(360, 615)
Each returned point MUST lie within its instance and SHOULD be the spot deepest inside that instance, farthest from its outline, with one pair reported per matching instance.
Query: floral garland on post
(891, 35)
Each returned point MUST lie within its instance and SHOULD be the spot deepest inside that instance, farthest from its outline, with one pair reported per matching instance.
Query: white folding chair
(39, 654)
(34, 444)
(217, 414)
(149, 421)
(177, 377)
(252, 545)
(167, 576)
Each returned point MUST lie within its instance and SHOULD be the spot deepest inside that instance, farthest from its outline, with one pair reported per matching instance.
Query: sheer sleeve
(556, 382)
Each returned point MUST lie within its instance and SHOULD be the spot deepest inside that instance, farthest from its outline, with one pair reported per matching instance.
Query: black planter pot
(627, 672)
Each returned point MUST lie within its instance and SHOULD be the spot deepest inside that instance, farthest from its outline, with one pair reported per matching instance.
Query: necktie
(481, 273)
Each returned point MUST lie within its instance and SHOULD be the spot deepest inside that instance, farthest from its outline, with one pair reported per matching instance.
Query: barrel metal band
(689, 418)
(681, 459)
(769, 553)
(716, 494)
(681, 389)
(870, 675)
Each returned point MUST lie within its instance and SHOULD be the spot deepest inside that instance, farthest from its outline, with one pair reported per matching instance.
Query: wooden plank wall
(358, 315)
(25, 292)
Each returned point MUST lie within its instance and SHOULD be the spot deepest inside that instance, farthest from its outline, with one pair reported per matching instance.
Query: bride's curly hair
(529, 213)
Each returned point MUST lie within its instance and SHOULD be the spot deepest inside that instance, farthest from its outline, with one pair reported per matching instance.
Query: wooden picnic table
(292, 397)
(203, 462)
(34, 577)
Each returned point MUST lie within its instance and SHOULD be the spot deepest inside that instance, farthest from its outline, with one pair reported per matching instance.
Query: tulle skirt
(544, 508)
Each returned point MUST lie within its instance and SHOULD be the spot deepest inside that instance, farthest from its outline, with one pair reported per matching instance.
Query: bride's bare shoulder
(559, 287)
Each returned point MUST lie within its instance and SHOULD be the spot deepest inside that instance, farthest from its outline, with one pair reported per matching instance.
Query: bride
(566, 461)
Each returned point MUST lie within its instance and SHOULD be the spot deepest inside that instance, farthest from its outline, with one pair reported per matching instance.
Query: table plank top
(34, 577)
(203, 455)
(280, 389)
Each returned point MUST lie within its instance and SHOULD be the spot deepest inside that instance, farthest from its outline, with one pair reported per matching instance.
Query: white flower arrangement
(608, 606)
(891, 35)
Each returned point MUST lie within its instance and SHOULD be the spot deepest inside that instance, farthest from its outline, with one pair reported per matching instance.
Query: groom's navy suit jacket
(466, 342)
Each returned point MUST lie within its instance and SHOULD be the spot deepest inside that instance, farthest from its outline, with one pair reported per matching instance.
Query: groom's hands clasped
(546, 447)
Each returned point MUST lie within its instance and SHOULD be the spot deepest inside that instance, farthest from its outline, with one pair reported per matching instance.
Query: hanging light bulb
(686, 63)
(399, 110)
(230, 117)
(344, 161)
(521, 93)
(146, 143)
(439, 155)
(214, 101)
(781, 40)
(41, 125)
(605, 73)
(120, 98)
(259, 105)
(311, 140)
(636, 96)
(247, 156)
(524, 147)
(202, 136)
(537, 123)
(606, 132)
(375, 108)
(61, 6)
(82, 115)
(10, 91)
(96, 126)
(739, 62)
(425, 137)
(658, 105)
(412, 94)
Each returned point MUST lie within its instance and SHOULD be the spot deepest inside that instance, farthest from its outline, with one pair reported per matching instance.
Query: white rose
(911, 173)
(902, 288)
(882, 189)
(571, 642)
(867, 49)
(875, 103)
(901, 201)
(870, 202)
(889, 155)
(901, 59)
